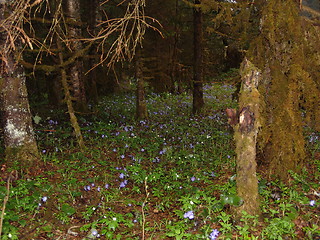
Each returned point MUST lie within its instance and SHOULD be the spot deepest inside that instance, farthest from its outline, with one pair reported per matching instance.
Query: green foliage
(178, 168)
(24, 199)
(279, 228)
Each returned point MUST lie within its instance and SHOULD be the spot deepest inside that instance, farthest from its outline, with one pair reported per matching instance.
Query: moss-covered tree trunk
(246, 130)
(287, 52)
(141, 105)
(198, 101)
(20, 144)
(68, 99)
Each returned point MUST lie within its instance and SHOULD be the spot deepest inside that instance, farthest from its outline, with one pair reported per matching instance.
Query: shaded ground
(137, 180)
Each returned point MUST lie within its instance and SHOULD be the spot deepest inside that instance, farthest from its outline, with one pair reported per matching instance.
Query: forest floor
(169, 177)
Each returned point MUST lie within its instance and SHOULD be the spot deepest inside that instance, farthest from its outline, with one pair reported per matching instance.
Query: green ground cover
(169, 177)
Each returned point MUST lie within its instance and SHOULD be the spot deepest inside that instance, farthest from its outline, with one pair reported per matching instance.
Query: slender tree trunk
(246, 130)
(73, 118)
(72, 12)
(198, 101)
(174, 57)
(54, 87)
(20, 144)
(93, 20)
(141, 106)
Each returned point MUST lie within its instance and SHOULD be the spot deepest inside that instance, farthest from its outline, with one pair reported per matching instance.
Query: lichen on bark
(20, 144)
(245, 139)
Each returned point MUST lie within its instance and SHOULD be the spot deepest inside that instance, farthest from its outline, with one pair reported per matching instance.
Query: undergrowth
(169, 177)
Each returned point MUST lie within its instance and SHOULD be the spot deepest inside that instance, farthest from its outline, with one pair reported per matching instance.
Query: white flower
(94, 232)
(312, 203)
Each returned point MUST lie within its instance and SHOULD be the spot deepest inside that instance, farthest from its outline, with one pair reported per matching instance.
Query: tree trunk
(55, 95)
(20, 144)
(73, 118)
(141, 105)
(246, 129)
(92, 7)
(72, 12)
(198, 101)
(286, 51)
(174, 56)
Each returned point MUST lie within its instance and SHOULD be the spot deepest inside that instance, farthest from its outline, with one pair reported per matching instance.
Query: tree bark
(141, 104)
(73, 118)
(246, 130)
(72, 12)
(198, 101)
(20, 144)
(92, 7)
(286, 51)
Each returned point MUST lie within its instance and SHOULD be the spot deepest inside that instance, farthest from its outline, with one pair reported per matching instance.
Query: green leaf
(113, 225)
(36, 119)
(236, 200)
(231, 199)
(66, 208)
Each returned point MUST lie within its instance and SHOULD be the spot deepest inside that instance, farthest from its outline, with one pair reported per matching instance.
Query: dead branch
(16, 15)
(50, 68)
(129, 29)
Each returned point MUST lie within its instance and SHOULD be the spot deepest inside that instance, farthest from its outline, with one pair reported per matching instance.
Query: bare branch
(129, 31)
(16, 14)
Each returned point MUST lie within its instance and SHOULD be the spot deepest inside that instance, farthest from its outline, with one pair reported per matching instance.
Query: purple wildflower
(214, 234)
(312, 203)
(94, 232)
(189, 215)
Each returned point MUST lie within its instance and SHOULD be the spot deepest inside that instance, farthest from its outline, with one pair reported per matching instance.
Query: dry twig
(13, 176)
(130, 30)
